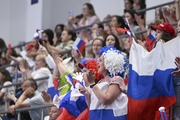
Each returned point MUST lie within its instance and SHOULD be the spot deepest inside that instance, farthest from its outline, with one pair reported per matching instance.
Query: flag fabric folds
(150, 80)
(75, 105)
(74, 102)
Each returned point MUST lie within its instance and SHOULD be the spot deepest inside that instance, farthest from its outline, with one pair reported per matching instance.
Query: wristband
(91, 86)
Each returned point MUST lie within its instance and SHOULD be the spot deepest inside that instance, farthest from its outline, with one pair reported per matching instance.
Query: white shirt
(42, 84)
(49, 60)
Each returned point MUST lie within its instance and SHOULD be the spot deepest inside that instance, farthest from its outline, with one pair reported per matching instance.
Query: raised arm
(177, 5)
(58, 60)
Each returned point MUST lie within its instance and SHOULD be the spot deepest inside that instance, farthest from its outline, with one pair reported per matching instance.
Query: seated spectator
(47, 36)
(57, 39)
(129, 14)
(128, 4)
(59, 28)
(98, 31)
(118, 22)
(89, 17)
(97, 44)
(5, 79)
(164, 32)
(53, 113)
(139, 4)
(30, 98)
(42, 71)
(71, 62)
(67, 39)
(112, 40)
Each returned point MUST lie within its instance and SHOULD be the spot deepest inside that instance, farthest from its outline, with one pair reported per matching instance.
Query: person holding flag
(77, 53)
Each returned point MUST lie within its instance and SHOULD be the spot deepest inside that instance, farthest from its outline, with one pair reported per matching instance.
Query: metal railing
(16, 84)
(122, 36)
(138, 11)
(106, 21)
(29, 108)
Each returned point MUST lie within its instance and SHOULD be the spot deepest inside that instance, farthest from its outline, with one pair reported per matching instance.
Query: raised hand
(29, 92)
(46, 97)
(176, 1)
(177, 62)
(43, 50)
(166, 12)
(57, 58)
(139, 20)
(89, 77)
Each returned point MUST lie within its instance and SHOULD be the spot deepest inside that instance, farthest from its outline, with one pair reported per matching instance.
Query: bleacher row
(67, 51)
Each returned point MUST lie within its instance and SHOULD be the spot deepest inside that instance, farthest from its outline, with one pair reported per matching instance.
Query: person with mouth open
(106, 99)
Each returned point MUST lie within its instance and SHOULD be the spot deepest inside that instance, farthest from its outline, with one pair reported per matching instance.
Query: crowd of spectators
(41, 59)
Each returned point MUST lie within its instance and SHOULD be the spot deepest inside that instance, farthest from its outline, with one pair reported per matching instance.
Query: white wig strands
(114, 62)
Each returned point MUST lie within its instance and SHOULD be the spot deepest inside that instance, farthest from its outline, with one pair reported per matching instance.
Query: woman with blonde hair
(41, 71)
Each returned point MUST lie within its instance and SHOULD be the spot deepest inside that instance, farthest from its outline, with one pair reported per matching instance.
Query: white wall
(105, 7)
(61, 8)
(20, 19)
(4, 20)
(12, 22)
(33, 19)
(17, 21)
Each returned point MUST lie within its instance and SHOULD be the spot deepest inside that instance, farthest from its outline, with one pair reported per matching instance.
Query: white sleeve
(43, 72)
(49, 60)
(7, 89)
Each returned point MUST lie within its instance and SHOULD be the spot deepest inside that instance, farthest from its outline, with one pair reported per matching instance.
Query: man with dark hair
(30, 98)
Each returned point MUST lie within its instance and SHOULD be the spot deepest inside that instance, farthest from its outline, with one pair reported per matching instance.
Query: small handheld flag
(132, 33)
(10, 48)
(37, 35)
(124, 31)
(79, 45)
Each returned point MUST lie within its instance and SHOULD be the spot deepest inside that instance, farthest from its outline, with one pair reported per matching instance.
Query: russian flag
(76, 106)
(79, 44)
(74, 103)
(124, 31)
(36, 37)
(150, 40)
(150, 80)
